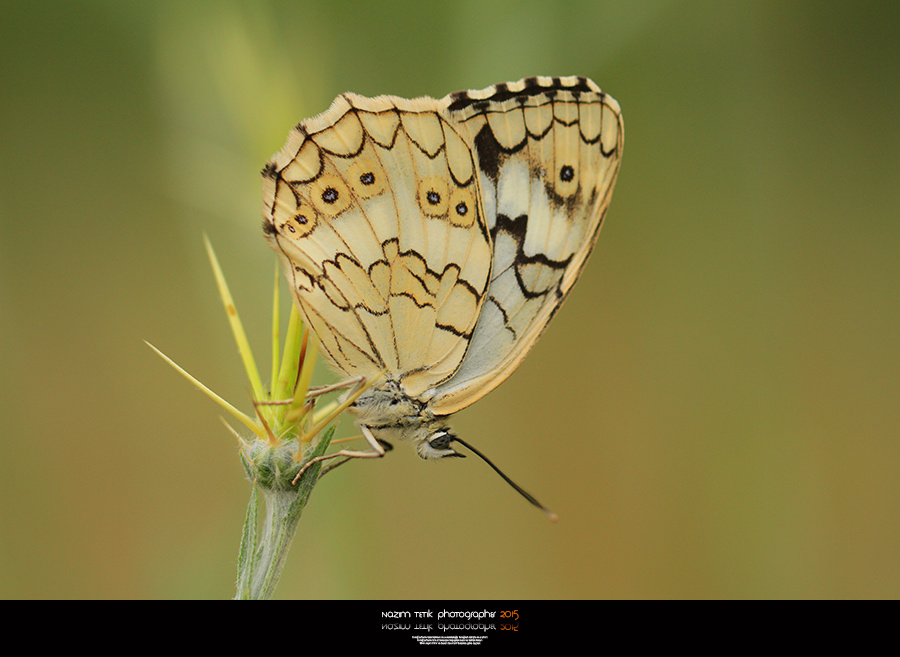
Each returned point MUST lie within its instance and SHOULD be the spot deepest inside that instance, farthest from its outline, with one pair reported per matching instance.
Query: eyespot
(433, 196)
(462, 206)
(330, 195)
(366, 177)
(300, 224)
(566, 181)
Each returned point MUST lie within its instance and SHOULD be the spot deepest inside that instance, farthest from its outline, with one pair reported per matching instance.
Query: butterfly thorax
(390, 414)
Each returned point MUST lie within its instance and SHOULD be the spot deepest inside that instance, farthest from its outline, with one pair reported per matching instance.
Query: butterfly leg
(355, 383)
(379, 449)
(385, 444)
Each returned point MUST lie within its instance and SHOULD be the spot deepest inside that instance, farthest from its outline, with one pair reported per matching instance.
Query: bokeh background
(714, 413)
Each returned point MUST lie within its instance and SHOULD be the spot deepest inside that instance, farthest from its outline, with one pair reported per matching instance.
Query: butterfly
(429, 242)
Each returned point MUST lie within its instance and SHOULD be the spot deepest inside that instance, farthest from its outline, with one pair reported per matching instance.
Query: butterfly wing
(548, 151)
(373, 207)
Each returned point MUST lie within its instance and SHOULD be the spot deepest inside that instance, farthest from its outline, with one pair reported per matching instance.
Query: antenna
(552, 516)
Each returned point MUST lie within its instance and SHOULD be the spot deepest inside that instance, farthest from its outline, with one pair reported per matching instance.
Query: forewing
(548, 151)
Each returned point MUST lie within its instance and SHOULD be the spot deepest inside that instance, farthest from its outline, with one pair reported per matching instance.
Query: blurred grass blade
(276, 322)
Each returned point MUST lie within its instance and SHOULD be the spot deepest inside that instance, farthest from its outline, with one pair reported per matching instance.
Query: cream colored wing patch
(374, 208)
(548, 151)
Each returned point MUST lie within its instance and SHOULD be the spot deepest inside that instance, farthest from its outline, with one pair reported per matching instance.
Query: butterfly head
(437, 444)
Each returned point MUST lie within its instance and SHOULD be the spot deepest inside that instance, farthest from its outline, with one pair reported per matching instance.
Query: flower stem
(263, 553)
(279, 527)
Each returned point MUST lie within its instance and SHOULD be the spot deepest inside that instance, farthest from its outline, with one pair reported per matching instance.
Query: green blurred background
(714, 413)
